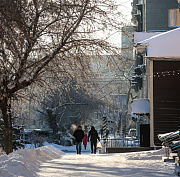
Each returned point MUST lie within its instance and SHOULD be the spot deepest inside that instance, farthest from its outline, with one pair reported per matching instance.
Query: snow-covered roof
(164, 45)
(140, 36)
(141, 106)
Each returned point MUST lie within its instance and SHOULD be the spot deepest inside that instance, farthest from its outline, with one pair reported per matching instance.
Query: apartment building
(155, 15)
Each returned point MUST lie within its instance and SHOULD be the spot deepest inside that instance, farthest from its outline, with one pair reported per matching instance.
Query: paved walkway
(72, 149)
(105, 165)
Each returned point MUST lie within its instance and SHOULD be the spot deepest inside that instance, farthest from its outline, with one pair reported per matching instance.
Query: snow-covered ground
(25, 162)
(51, 161)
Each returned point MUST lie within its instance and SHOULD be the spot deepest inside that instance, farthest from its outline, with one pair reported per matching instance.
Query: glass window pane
(172, 17)
(177, 17)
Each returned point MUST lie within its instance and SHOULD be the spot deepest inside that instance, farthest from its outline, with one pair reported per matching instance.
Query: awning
(141, 106)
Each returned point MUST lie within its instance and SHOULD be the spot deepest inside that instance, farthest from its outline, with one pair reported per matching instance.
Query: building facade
(156, 18)
(155, 15)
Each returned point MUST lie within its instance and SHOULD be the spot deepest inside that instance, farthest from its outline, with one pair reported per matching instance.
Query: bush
(37, 138)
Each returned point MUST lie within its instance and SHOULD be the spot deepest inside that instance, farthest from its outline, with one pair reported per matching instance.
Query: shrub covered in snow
(66, 139)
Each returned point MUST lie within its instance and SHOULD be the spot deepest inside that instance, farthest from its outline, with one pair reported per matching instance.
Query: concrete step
(128, 149)
(168, 159)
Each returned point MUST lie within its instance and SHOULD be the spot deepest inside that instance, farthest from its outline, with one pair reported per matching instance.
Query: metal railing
(121, 142)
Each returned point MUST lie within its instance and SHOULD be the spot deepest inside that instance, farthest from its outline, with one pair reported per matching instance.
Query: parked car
(132, 132)
(29, 134)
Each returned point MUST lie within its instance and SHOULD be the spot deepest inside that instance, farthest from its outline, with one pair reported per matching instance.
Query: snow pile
(1, 151)
(147, 155)
(25, 162)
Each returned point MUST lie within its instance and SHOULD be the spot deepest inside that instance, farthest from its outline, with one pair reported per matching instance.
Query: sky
(126, 8)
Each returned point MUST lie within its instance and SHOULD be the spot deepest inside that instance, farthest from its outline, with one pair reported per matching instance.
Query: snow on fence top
(168, 136)
(171, 139)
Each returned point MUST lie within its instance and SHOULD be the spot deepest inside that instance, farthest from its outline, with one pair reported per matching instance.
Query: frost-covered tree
(66, 106)
(40, 39)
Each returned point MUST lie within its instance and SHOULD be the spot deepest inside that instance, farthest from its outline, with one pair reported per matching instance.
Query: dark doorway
(144, 135)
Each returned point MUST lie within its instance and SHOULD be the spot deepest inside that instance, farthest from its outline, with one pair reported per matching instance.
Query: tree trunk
(6, 112)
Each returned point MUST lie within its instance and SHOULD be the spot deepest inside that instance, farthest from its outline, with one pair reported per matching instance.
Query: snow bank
(147, 155)
(25, 162)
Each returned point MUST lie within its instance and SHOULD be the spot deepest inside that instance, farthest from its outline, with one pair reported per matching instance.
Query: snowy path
(108, 165)
(51, 161)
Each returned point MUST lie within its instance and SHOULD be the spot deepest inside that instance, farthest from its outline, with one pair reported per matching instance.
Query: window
(174, 17)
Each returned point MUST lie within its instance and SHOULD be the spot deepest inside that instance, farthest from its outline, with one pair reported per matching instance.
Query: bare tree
(40, 39)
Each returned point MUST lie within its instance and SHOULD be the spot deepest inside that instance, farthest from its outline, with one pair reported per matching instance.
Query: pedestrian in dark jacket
(93, 136)
(107, 132)
(79, 135)
(101, 131)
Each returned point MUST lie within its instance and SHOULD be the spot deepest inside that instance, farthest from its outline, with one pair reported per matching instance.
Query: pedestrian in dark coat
(107, 132)
(79, 135)
(93, 136)
(101, 131)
